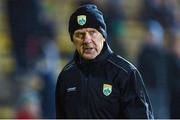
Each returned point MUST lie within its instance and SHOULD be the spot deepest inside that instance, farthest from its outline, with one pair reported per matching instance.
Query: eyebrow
(79, 32)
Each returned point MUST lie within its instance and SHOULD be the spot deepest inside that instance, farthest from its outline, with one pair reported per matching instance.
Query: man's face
(88, 42)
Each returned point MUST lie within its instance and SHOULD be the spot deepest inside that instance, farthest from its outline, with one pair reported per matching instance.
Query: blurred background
(35, 46)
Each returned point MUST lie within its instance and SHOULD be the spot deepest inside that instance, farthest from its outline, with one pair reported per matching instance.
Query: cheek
(78, 46)
(100, 45)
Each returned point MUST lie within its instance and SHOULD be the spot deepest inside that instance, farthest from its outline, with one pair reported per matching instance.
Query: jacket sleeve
(59, 99)
(135, 101)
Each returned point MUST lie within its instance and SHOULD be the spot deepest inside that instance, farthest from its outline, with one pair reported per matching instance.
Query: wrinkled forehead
(85, 30)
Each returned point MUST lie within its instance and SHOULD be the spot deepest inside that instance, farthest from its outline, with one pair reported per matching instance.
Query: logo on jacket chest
(107, 89)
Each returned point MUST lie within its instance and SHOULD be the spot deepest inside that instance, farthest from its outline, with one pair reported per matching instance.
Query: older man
(97, 83)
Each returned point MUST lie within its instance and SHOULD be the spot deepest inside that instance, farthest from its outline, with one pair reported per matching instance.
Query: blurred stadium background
(35, 45)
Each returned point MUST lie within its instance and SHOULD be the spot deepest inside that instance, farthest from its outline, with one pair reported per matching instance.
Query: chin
(89, 57)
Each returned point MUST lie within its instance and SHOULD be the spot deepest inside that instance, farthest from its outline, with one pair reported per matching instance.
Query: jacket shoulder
(68, 66)
(66, 69)
(121, 63)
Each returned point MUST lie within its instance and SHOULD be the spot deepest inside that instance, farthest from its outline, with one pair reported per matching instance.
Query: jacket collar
(106, 51)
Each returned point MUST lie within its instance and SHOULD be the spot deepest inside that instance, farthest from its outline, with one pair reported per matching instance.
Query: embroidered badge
(81, 19)
(107, 89)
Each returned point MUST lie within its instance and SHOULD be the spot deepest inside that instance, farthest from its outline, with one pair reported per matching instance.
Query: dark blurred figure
(152, 64)
(47, 96)
(115, 17)
(177, 18)
(23, 23)
(30, 31)
(174, 77)
(160, 10)
(35, 48)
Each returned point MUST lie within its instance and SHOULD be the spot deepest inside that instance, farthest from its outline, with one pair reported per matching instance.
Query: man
(97, 83)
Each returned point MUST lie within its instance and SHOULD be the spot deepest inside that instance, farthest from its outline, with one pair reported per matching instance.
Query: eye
(78, 35)
(92, 32)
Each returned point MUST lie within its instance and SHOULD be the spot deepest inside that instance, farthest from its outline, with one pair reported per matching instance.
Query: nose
(87, 38)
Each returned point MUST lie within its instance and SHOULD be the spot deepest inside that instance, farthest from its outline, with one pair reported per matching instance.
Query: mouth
(88, 49)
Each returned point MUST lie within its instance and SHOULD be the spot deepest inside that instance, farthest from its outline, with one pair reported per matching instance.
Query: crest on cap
(107, 89)
(81, 19)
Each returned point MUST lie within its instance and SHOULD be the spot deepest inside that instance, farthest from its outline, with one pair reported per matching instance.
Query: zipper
(86, 96)
(85, 79)
(87, 91)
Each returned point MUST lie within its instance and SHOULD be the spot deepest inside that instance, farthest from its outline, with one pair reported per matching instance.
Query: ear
(72, 38)
(104, 39)
(101, 37)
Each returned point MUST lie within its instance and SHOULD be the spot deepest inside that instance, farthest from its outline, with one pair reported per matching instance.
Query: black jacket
(106, 87)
